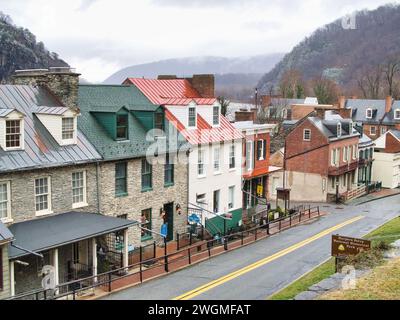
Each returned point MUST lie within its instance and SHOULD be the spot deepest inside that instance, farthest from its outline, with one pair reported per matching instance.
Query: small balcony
(338, 171)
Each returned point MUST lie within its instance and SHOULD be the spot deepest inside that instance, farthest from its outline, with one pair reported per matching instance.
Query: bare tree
(224, 104)
(325, 90)
(390, 71)
(292, 84)
(370, 82)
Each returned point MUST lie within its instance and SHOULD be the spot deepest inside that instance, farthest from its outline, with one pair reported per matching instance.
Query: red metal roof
(204, 133)
(169, 92)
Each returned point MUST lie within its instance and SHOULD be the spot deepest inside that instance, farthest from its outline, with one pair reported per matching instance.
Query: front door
(169, 212)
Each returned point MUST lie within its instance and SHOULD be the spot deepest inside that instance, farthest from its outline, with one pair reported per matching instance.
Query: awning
(62, 229)
(5, 234)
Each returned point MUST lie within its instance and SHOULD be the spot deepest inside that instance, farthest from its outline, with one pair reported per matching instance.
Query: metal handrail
(164, 260)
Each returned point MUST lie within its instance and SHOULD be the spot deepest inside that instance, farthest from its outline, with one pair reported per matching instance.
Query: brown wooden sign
(346, 246)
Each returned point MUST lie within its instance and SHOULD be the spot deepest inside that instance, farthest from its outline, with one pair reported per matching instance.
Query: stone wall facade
(136, 200)
(23, 191)
(5, 292)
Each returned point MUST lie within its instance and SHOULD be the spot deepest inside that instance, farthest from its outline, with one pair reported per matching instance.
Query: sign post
(346, 246)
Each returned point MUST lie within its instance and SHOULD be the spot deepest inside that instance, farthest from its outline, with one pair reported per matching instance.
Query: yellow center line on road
(215, 283)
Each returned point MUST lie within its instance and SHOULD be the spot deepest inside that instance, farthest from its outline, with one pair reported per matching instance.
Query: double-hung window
(192, 117)
(78, 188)
(13, 134)
(122, 127)
(200, 163)
(68, 128)
(216, 201)
(231, 197)
(217, 160)
(307, 135)
(261, 149)
(5, 207)
(42, 195)
(215, 116)
(121, 187)
(168, 171)
(249, 155)
(232, 159)
(147, 175)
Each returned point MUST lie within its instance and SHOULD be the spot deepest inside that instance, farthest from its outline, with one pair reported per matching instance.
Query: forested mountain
(343, 55)
(19, 49)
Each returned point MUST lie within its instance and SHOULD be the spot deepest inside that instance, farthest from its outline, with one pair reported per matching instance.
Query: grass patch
(380, 238)
(382, 284)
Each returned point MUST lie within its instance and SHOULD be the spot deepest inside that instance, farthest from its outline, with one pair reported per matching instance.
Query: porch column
(12, 279)
(94, 258)
(126, 249)
(55, 264)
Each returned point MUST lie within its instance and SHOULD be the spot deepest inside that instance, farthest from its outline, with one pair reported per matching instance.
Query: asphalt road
(274, 262)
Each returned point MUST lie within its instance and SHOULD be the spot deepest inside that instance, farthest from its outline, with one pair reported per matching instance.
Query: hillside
(20, 50)
(341, 54)
(235, 77)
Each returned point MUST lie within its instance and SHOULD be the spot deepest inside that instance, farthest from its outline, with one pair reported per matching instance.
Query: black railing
(148, 269)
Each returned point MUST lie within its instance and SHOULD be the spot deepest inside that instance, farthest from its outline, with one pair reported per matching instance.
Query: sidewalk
(384, 193)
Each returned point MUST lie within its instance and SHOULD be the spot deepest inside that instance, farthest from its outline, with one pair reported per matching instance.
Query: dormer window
(122, 127)
(68, 128)
(339, 130)
(397, 114)
(216, 116)
(369, 113)
(13, 134)
(192, 117)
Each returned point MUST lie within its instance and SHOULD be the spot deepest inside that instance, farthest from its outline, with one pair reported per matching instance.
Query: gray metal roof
(360, 107)
(51, 232)
(329, 128)
(5, 234)
(41, 149)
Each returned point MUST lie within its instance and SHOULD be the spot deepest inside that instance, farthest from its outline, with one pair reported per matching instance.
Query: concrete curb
(383, 197)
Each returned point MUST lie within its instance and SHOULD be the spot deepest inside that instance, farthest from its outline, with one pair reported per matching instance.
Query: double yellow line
(198, 291)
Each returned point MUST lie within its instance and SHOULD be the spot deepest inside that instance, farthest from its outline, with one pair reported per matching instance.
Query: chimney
(204, 84)
(388, 104)
(342, 102)
(166, 77)
(245, 115)
(62, 82)
(266, 101)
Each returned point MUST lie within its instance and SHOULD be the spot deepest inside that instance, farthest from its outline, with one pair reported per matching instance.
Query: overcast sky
(99, 37)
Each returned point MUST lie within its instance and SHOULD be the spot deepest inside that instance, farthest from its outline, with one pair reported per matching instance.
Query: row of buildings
(333, 152)
(88, 173)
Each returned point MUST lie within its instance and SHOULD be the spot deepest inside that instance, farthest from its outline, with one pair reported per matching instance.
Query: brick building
(321, 159)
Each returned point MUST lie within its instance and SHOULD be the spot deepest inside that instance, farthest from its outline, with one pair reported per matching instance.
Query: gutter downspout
(98, 187)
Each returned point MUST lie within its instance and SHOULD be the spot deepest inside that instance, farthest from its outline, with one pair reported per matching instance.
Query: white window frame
(345, 155)
(200, 162)
(249, 155)
(49, 204)
(383, 130)
(83, 203)
(8, 217)
(21, 135)
(355, 152)
(309, 135)
(195, 117)
(397, 114)
(370, 130)
(201, 200)
(339, 130)
(231, 198)
(69, 131)
(368, 113)
(217, 160)
(232, 155)
(262, 149)
(216, 118)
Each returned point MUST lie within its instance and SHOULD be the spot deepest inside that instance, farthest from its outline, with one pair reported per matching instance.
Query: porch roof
(5, 234)
(62, 229)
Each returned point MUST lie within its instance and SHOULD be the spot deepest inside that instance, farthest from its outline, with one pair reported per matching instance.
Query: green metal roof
(99, 104)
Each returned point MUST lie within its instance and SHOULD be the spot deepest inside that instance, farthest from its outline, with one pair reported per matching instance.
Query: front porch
(66, 247)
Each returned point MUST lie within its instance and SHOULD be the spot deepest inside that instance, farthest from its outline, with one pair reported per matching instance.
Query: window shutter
(265, 149)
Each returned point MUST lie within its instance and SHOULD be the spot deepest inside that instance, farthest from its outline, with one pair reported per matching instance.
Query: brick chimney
(62, 82)
(166, 77)
(266, 101)
(342, 102)
(204, 84)
(388, 104)
(244, 115)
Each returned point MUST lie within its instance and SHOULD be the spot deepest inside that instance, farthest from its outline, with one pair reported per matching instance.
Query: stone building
(124, 126)
(49, 187)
